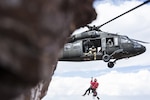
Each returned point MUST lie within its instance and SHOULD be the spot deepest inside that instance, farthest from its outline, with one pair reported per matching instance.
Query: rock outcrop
(32, 32)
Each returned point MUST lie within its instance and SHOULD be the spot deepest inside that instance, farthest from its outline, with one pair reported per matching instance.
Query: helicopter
(95, 44)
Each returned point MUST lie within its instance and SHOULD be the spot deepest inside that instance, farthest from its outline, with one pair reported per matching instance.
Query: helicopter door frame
(116, 41)
(109, 43)
(103, 44)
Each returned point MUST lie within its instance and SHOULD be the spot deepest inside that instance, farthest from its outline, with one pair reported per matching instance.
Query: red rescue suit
(94, 84)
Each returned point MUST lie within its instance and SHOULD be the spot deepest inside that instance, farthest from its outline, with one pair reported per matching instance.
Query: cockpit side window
(125, 39)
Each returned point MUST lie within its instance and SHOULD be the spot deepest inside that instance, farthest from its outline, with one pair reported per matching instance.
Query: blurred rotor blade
(124, 13)
(140, 41)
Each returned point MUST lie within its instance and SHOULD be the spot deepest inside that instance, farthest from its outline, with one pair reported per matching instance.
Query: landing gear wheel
(106, 57)
(110, 64)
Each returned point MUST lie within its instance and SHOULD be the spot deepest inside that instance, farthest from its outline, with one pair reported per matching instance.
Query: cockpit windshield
(125, 39)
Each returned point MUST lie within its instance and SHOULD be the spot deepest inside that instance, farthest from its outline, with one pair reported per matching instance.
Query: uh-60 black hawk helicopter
(95, 44)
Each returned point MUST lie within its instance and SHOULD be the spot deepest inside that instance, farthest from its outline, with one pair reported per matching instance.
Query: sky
(129, 79)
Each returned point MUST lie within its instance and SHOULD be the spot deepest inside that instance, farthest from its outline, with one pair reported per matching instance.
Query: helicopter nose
(139, 48)
(143, 49)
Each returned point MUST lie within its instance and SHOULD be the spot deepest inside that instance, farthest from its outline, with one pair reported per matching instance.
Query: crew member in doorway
(93, 51)
(87, 44)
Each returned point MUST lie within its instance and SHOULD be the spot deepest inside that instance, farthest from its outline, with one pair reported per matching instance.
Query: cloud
(126, 84)
(113, 84)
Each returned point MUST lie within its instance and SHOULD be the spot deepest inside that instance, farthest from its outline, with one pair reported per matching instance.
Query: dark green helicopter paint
(108, 46)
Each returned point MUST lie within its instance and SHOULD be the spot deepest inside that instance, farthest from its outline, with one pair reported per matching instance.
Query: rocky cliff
(32, 32)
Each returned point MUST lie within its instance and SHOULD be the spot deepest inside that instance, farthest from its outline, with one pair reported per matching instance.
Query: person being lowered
(90, 88)
(94, 85)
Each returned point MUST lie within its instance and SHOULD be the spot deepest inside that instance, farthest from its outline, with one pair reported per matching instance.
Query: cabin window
(67, 46)
(76, 45)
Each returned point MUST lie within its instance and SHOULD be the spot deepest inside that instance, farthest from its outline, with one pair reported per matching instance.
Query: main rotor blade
(140, 41)
(125, 13)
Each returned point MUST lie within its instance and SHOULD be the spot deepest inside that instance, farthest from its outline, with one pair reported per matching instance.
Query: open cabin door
(87, 44)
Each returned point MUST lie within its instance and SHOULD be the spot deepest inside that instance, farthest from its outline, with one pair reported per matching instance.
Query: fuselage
(117, 46)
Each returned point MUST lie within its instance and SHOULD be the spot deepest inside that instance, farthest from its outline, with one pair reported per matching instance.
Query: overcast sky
(129, 79)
